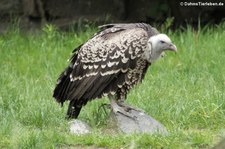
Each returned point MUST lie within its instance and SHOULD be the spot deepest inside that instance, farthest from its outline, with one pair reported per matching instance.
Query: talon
(123, 112)
(128, 107)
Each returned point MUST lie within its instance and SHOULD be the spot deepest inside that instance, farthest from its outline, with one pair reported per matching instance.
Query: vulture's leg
(126, 107)
(118, 109)
(73, 110)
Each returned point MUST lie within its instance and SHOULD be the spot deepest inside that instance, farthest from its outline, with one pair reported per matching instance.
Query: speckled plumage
(109, 63)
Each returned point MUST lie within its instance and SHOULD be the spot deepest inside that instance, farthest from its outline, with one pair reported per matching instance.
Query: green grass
(184, 91)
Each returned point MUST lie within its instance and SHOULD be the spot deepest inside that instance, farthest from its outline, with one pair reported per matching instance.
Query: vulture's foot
(121, 110)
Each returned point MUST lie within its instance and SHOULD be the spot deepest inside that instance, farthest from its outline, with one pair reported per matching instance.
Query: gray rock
(137, 122)
(141, 123)
(79, 127)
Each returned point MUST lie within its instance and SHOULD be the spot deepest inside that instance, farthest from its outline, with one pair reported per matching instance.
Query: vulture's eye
(161, 41)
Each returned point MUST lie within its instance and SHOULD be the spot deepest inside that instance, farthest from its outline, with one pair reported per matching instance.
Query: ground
(184, 91)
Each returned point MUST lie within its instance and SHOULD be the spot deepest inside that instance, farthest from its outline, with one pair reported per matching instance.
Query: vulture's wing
(98, 67)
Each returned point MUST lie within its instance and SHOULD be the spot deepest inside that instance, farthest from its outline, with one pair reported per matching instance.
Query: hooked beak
(172, 47)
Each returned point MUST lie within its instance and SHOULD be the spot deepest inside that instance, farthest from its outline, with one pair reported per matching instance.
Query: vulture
(109, 64)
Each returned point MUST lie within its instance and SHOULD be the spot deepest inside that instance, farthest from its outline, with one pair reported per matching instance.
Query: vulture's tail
(63, 82)
(60, 94)
(60, 91)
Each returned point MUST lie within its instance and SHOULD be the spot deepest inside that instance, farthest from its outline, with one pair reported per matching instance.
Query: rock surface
(141, 123)
(79, 127)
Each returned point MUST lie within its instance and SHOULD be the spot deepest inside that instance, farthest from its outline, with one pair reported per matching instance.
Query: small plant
(50, 30)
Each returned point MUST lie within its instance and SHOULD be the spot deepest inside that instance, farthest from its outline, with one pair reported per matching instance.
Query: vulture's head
(160, 43)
